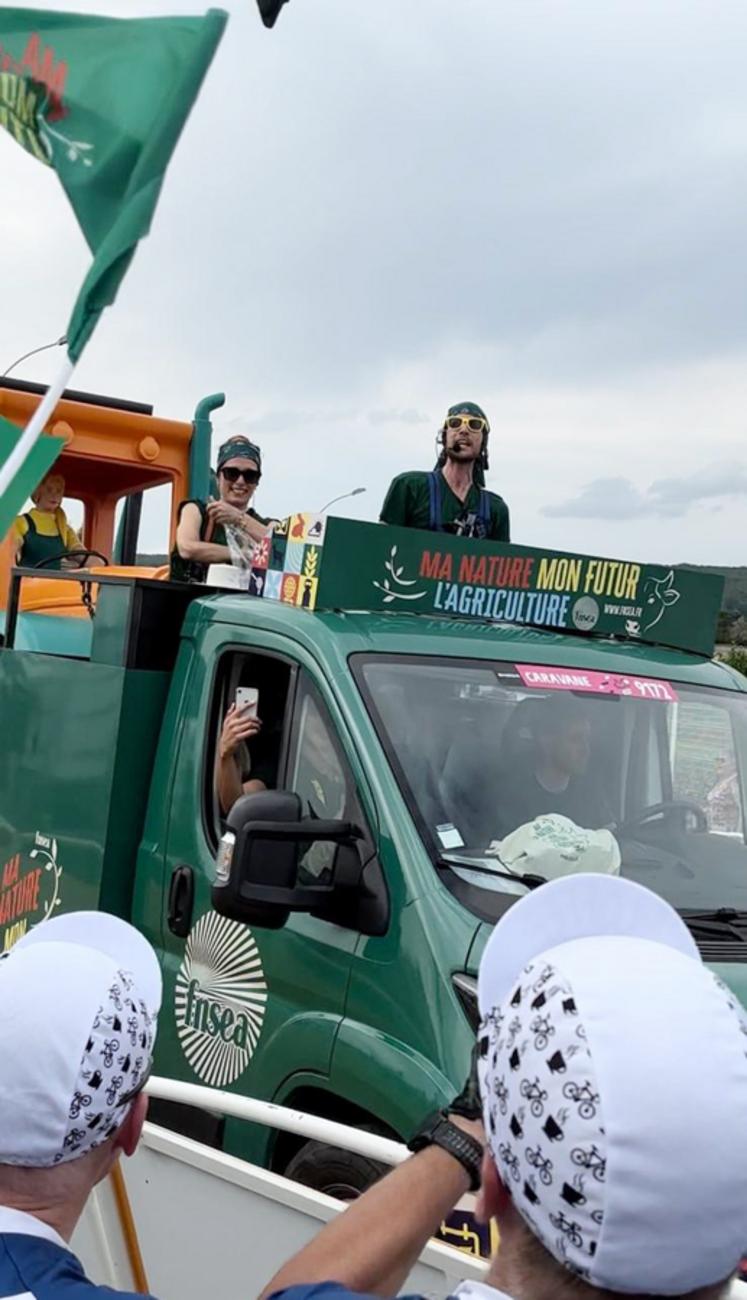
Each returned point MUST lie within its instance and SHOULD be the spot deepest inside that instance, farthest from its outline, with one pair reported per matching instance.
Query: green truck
(423, 699)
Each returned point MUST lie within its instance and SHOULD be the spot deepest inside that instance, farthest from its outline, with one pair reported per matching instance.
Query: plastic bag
(241, 548)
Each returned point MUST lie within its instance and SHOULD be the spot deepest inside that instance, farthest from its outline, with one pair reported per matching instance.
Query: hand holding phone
(247, 701)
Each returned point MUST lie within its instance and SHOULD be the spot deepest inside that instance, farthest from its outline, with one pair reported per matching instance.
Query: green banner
(320, 563)
(103, 101)
(37, 463)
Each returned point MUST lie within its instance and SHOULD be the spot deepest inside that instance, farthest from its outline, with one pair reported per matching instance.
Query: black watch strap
(439, 1131)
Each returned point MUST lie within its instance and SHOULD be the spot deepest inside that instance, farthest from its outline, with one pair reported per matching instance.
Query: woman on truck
(201, 538)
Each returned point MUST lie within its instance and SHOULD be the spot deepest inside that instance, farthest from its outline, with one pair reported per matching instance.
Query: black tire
(339, 1173)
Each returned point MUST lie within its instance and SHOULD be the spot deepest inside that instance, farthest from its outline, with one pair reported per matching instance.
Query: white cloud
(618, 498)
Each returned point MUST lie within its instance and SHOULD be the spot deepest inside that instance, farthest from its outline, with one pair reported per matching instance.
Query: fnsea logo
(220, 999)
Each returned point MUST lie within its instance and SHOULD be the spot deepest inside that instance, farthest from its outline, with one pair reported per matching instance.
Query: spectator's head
(79, 997)
(48, 494)
(562, 735)
(239, 469)
(613, 1074)
(464, 436)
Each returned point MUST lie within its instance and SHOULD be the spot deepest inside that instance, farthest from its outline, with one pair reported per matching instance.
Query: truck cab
(420, 735)
(320, 938)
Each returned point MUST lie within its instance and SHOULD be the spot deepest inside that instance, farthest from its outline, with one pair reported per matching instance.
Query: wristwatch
(439, 1131)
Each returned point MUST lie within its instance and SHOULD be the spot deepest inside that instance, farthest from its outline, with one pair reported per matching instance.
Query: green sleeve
(501, 522)
(395, 508)
(201, 506)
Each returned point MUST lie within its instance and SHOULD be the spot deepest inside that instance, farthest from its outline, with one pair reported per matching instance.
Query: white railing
(281, 1117)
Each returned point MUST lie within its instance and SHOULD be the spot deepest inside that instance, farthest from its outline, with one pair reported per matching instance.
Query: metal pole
(35, 426)
(58, 343)
(199, 451)
(343, 497)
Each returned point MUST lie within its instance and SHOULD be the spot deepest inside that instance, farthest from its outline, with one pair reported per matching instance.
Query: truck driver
(43, 534)
(452, 498)
(559, 776)
(542, 763)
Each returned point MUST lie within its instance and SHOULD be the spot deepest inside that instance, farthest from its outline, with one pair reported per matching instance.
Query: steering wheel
(81, 555)
(670, 810)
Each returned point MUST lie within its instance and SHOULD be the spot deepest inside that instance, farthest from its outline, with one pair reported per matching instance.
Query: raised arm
(373, 1245)
(188, 542)
(229, 785)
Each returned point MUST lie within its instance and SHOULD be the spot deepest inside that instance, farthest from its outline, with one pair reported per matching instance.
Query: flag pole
(36, 424)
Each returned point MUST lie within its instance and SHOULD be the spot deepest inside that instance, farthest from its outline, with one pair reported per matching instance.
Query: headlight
(466, 991)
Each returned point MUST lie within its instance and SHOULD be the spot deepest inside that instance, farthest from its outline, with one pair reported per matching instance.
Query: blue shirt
(36, 1264)
(468, 1290)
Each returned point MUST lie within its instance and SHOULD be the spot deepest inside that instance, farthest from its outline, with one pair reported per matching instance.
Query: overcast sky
(380, 208)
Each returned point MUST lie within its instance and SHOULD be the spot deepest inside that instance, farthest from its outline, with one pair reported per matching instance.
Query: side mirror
(256, 873)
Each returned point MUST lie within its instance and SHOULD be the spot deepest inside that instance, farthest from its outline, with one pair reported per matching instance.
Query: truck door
(245, 1010)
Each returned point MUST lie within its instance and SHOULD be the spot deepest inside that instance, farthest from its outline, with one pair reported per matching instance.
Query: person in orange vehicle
(43, 533)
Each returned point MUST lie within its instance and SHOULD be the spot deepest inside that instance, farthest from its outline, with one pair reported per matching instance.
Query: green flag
(39, 461)
(103, 101)
(269, 10)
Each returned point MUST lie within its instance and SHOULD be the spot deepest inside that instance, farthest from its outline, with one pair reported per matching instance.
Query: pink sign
(585, 679)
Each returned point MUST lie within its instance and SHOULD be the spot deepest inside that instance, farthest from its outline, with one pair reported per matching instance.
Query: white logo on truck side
(393, 589)
(220, 999)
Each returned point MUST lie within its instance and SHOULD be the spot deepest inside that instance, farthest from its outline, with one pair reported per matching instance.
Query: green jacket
(408, 504)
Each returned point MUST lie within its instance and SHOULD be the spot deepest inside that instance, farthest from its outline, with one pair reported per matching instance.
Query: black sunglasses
(127, 1097)
(232, 475)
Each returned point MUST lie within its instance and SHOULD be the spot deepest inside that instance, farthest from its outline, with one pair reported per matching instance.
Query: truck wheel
(330, 1169)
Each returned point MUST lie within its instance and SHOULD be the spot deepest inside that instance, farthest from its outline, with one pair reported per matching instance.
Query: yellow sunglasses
(474, 423)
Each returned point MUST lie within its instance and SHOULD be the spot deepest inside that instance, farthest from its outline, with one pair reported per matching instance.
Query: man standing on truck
(452, 498)
(613, 1073)
(201, 538)
(79, 997)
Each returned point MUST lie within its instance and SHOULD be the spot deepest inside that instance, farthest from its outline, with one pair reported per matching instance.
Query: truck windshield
(481, 751)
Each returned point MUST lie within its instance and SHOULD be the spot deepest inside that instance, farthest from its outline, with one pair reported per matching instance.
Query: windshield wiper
(526, 878)
(716, 923)
(730, 915)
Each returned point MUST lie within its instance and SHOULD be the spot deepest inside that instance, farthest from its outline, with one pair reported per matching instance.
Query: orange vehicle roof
(118, 448)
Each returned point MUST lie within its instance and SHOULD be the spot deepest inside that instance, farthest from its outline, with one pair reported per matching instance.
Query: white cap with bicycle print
(613, 1073)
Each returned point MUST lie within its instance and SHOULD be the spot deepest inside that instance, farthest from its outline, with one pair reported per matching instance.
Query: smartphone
(247, 700)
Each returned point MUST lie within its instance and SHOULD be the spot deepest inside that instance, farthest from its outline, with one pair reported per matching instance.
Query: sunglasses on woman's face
(232, 475)
(472, 422)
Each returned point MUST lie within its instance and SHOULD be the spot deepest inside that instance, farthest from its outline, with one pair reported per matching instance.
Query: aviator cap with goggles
(470, 416)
